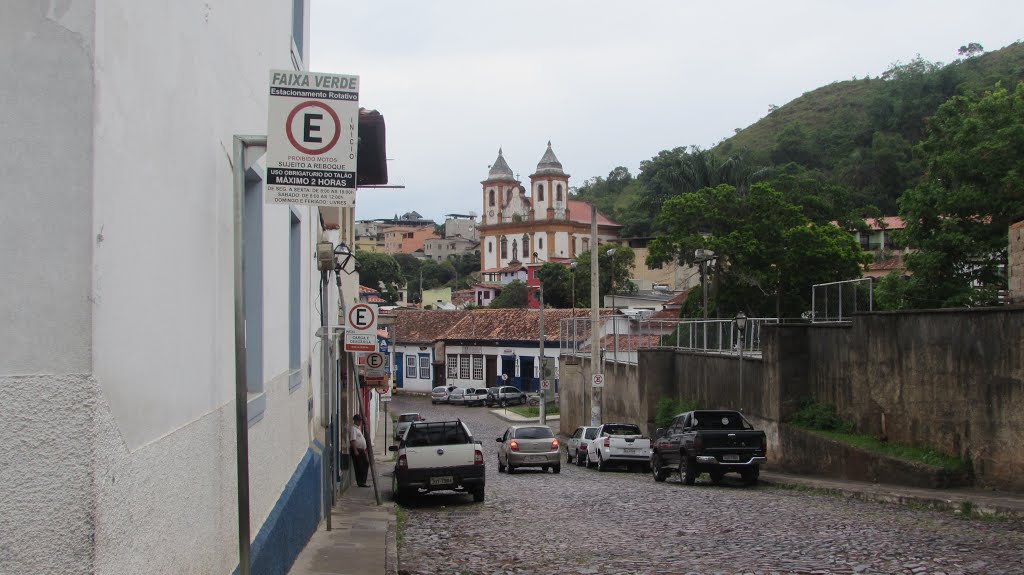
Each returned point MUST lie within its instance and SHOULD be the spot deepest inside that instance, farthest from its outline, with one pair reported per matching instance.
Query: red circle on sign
(351, 317)
(300, 147)
(375, 360)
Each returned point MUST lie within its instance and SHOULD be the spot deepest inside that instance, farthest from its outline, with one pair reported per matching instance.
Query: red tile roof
(887, 264)
(580, 212)
(364, 289)
(424, 326)
(414, 326)
(375, 299)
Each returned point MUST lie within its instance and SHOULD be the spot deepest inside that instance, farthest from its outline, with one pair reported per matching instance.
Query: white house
(117, 359)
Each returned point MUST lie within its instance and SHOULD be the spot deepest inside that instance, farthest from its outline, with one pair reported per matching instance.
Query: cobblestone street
(585, 522)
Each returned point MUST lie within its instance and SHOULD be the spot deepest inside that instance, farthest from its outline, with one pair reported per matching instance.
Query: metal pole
(741, 370)
(595, 320)
(241, 144)
(704, 289)
(543, 393)
(326, 418)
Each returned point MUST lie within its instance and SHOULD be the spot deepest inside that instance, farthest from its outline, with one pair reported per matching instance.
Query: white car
(404, 420)
(579, 443)
(619, 444)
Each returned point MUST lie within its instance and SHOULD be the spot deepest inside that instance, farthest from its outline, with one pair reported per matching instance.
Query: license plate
(442, 480)
(535, 459)
(731, 457)
(629, 449)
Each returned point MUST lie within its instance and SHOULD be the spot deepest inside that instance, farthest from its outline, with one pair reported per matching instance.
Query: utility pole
(543, 392)
(595, 321)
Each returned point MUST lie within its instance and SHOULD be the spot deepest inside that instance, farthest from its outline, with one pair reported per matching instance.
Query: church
(521, 228)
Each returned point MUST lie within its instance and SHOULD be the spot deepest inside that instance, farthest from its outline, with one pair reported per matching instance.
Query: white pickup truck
(438, 456)
(619, 444)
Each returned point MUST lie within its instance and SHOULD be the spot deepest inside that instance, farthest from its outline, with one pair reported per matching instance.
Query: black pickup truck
(708, 441)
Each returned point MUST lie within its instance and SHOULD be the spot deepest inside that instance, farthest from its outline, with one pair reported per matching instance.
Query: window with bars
(463, 367)
(478, 367)
(410, 367)
(453, 366)
(424, 366)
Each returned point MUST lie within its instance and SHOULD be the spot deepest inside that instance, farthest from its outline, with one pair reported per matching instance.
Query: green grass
(925, 455)
(402, 517)
(527, 411)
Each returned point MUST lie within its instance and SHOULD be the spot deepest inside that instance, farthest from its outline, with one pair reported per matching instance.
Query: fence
(838, 301)
(621, 337)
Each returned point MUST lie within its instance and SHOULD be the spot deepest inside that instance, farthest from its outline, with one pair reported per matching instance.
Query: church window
(540, 243)
(490, 198)
(504, 247)
(490, 247)
(558, 194)
(508, 196)
(586, 244)
(540, 192)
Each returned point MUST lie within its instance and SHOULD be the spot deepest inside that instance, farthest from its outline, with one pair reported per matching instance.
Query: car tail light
(698, 445)
(403, 463)
(582, 447)
(554, 445)
(478, 457)
(513, 445)
(607, 441)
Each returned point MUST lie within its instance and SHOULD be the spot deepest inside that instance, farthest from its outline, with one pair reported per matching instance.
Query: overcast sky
(609, 83)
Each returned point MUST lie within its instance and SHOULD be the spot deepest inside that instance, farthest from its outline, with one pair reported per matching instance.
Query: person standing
(357, 450)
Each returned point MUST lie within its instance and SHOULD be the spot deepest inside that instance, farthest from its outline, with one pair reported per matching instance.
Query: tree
(957, 218)
(768, 253)
(558, 283)
(381, 272)
(513, 295)
(614, 271)
(971, 50)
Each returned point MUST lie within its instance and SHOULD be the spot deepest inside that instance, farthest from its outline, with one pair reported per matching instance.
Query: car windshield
(534, 433)
(591, 433)
(408, 417)
(719, 420)
(436, 433)
(621, 429)
(438, 390)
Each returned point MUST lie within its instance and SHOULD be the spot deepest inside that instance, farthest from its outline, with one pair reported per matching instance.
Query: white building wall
(490, 254)
(561, 248)
(126, 454)
(414, 383)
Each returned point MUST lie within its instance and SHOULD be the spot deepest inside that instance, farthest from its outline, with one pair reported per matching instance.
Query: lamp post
(572, 297)
(543, 395)
(740, 322)
(703, 256)
(615, 324)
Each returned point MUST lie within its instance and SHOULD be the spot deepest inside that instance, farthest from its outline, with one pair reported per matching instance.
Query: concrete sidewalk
(362, 536)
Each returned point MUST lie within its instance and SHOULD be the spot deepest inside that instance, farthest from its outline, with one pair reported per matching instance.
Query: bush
(820, 416)
(669, 408)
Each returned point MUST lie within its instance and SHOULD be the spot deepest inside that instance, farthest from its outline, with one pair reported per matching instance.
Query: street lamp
(741, 326)
(542, 415)
(615, 324)
(702, 257)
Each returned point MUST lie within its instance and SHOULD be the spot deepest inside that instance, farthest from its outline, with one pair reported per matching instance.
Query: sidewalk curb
(516, 418)
(975, 504)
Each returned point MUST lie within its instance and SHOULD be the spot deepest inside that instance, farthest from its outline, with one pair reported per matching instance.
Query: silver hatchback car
(528, 446)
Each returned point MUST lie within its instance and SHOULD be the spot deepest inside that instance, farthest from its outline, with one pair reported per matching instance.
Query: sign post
(312, 137)
(597, 380)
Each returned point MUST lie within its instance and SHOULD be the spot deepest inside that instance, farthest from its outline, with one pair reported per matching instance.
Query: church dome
(500, 170)
(549, 165)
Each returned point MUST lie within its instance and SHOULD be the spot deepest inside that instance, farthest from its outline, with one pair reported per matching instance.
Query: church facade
(538, 225)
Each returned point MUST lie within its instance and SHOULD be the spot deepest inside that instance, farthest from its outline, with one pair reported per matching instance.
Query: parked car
(578, 444)
(457, 396)
(403, 423)
(528, 446)
(475, 396)
(618, 444)
(440, 394)
(436, 456)
(505, 395)
(712, 441)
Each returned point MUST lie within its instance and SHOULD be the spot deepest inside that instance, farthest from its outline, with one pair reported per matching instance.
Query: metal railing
(838, 301)
(620, 339)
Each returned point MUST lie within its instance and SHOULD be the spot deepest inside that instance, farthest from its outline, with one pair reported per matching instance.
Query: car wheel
(581, 460)
(478, 495)
(750, 476)
(601, 465)
(556, 468)
(501, 466)
(396, 493)
(589, 464)
(568, 456)
(502, 403)
(511, 470)
(659, 473)
(687, 470)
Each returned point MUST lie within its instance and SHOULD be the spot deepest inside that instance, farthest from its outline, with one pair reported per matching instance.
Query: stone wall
(947, 379)
(1016, 272)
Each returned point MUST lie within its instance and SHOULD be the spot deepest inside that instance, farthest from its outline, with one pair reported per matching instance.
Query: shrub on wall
(667, 409)
(820, 416)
